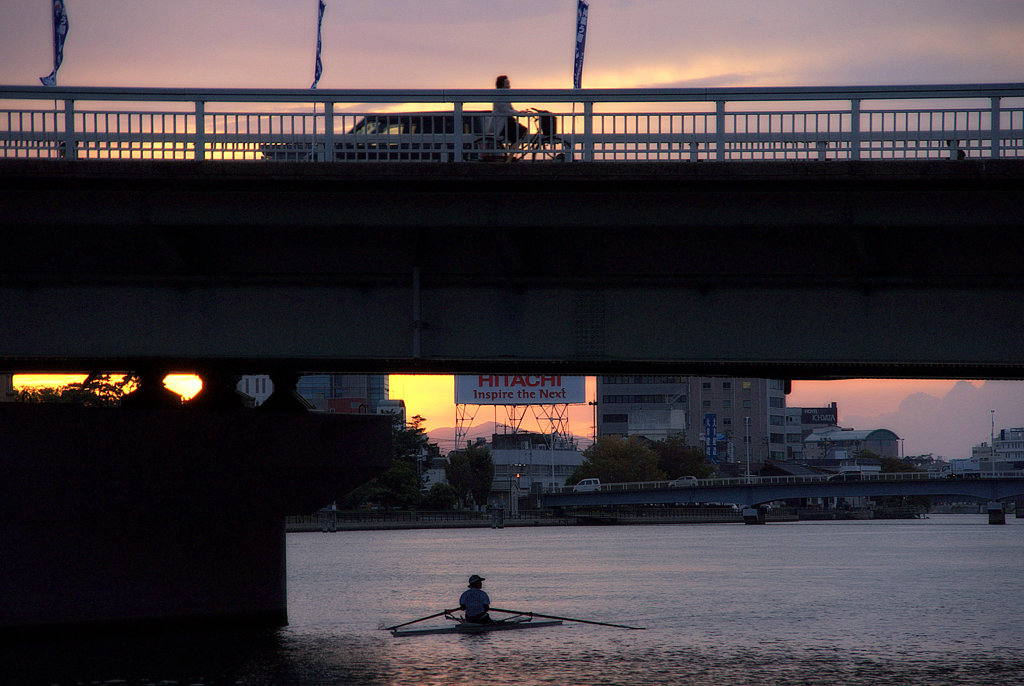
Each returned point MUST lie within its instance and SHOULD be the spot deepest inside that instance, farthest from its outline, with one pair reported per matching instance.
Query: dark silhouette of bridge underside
(778, 269)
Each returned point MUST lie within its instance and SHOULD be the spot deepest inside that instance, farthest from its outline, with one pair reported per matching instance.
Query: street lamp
(746, 423)
(992, 442)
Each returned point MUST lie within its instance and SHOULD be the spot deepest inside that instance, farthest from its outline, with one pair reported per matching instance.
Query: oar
(568, 619)
(436, 614)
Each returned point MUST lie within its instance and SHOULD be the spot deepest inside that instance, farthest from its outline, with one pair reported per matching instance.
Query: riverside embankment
(329, 520)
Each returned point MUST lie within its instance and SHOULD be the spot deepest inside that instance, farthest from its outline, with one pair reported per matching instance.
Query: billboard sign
(710, 437)
(819, 415)
(519, 389)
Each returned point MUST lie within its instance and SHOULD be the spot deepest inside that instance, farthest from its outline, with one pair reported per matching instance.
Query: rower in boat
(475, 601)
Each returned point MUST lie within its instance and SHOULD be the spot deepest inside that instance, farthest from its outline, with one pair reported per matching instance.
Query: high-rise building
(344, 393)
(730, 418)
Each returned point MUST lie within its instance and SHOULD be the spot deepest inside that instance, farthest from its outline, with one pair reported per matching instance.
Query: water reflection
(919, 603)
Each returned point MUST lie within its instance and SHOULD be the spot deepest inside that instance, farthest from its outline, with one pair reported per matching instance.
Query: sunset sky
(630, 43)
(465, 43)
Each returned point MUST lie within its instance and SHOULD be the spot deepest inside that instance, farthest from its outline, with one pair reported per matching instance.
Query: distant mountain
(445, 436)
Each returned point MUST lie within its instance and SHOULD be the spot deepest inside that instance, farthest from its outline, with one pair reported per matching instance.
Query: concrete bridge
(753, 491)
(806, 251)
(770, 269)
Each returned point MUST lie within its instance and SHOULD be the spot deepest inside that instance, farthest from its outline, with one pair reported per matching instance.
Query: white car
(587, 485)
(684, 481)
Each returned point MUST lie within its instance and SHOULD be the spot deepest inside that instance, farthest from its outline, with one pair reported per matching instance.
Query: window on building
(706, 403)
(726, 385)
(706, 385)
(727, 404)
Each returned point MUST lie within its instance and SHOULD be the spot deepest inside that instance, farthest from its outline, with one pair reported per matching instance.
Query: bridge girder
(781, 270)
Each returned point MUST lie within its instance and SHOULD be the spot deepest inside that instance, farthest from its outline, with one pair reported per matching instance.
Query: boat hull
(468, 628)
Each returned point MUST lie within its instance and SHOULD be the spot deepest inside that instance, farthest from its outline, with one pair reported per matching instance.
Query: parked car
(586, 485)
(684, 481)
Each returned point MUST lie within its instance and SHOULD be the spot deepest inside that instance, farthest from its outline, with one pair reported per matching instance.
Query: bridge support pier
(755, 515)
(996, 512)
(124, 518)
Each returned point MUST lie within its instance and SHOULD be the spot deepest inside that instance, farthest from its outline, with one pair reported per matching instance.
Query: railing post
(199, 140)
(855, 129)
(996, 133)
(328, 131)
(588, 131)
(822, 147)
(70, 149)
(457, 131)
(720, 130)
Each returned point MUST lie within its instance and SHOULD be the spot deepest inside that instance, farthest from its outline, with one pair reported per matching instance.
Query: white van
(587, 485)
(407, 136)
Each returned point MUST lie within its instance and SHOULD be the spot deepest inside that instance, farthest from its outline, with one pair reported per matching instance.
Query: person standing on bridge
(506, 118)
(475, 601)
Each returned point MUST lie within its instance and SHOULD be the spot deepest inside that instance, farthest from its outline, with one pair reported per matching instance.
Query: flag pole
(582, 13)
(318, 68)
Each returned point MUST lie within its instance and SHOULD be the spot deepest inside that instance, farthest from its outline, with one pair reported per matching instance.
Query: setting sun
(185, 385)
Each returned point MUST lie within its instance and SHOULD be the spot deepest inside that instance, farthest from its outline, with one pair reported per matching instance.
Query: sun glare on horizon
(185, 385)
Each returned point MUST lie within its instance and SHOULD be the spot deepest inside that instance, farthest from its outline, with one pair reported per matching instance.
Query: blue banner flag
(710, 436)
(60, 32)
(319, 69)
(582, 10)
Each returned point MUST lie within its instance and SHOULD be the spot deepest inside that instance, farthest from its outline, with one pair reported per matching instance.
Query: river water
(916, 602)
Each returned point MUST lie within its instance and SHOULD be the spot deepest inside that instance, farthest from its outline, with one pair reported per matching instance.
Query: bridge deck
(766, 490)
(781, 269)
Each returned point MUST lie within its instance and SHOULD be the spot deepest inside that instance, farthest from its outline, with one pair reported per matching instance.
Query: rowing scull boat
(518, 620)
(471, 628)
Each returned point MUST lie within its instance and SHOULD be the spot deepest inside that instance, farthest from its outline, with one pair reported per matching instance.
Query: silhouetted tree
(97, 390)
(471, 473)
(676, 458)
(399, 486)
(441, 496)
(615, 459)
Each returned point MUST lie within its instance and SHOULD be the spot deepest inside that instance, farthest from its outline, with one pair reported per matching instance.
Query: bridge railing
(718, 124)
(790, 480)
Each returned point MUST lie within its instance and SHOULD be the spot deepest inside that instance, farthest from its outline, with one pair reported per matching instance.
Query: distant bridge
(753, 490)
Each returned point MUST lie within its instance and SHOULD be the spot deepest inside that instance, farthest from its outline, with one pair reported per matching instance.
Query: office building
(344, 393)
(731, 418)
(801, 422)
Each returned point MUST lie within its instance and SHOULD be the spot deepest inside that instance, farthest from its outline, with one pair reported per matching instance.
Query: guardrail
(695, 124)
(790, 480)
